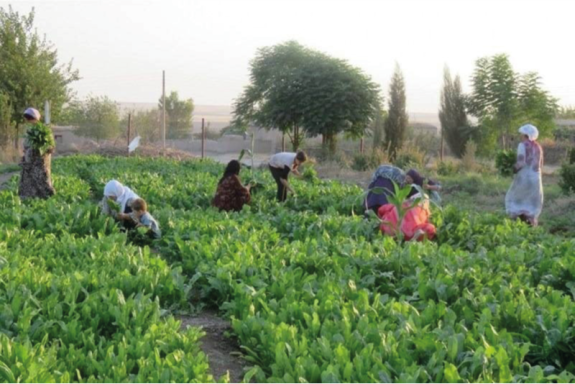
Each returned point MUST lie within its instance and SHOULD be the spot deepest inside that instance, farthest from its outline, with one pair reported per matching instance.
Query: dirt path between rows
(5, 177)
(222, 352)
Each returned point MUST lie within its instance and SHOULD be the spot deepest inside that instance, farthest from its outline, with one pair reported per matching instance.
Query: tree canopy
(301, 91)
(396, 123)
(178, 116)
(95, 117)
(502, 100)
(30, 72)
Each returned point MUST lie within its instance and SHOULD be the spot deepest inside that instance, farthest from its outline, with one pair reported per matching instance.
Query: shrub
(448, 167)
(468, 160)
(567, 174)
(367, 161)
(410, 157)
(505, 161)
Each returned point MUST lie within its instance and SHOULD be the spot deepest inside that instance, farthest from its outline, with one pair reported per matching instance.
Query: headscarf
(530, 130)
(233, 168)
(123, 194)
(389, 172)
(32, 113)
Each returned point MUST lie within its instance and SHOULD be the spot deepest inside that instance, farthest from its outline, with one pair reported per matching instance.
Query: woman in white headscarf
(121, 195)
(524, 200)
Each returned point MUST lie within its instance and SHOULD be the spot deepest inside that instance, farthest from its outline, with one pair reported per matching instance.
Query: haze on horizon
(121, 47)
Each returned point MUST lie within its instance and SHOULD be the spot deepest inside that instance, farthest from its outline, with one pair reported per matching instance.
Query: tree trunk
(295, 138)
(330, 144)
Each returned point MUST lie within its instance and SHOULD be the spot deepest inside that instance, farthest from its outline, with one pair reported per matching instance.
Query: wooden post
(361, 144)
(129, 130)
(164, 109)
(203, 139)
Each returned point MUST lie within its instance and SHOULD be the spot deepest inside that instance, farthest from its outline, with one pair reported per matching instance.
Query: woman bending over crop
(35, 180)
(281, 164)
(118, 199)
(524, 200)
(231, 195)
(382, 185)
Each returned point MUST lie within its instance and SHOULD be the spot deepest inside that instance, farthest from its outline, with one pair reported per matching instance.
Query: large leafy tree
(94, 117)
(30, 72)
(178, 116)
(503, 99)
(455, 127)
(301, 91)
(396, 123)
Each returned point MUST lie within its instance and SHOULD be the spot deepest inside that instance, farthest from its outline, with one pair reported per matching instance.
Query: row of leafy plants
(314, 292)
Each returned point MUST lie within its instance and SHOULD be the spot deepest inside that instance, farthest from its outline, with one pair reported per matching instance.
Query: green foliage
(410, 157)
(453, 115)
(301, 91)
(178, 116)
(146, 124)
(30, 72)
(41, 138)
(448, 168)
(503, 100)
(6, 130)
(94, 117)
(505, 162)
(567, 178)
(368, 161)
(396, 123)
(314, 293)
(378, 129)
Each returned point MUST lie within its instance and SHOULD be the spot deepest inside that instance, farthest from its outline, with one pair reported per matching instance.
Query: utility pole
(164, 109)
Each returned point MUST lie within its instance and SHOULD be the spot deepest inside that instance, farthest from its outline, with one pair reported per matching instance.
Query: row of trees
(501, 100)
(31, 74)
(100, 118)
(304, 92)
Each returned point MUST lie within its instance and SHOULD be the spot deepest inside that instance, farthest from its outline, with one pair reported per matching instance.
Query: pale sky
(122, 46)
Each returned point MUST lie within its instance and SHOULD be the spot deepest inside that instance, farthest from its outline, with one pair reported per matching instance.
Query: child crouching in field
(142, 218)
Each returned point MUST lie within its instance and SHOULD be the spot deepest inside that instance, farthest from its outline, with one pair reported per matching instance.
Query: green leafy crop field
(315, 293)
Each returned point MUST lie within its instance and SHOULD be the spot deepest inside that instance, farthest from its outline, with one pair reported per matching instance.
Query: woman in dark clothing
(383, 182)
(231, 195)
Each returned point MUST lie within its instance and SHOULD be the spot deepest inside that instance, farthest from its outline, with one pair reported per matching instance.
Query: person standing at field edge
(35, 181)
(281, 164)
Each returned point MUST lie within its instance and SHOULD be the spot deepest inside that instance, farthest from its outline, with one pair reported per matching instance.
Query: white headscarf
(123, 194)
(33, 112)
(529, 130)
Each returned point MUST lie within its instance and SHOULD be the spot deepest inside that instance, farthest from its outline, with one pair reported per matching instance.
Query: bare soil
(223, 352)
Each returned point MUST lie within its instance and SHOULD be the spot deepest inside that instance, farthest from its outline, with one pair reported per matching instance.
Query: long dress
(231, 195)
(35, 180)
(525, 196)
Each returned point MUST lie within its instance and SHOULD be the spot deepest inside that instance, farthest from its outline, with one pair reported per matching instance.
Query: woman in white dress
(524, 200)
